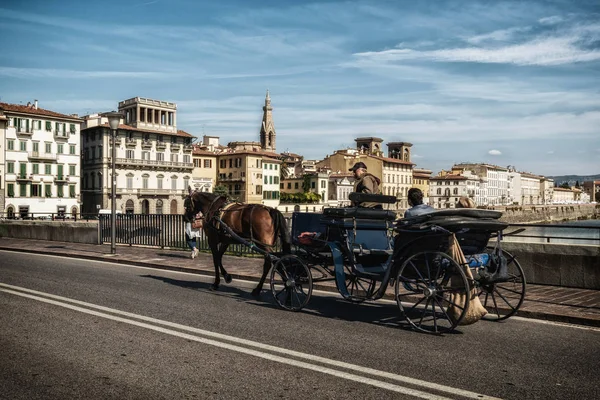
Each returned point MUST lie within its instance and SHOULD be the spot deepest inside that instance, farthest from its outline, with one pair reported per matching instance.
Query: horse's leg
(266, 269)
(222, 250)
(217, 255)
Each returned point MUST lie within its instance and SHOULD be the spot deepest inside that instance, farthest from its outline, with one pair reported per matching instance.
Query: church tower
(267, 130)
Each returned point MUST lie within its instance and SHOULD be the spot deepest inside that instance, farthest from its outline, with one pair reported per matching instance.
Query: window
(10, 143)
(72, 170)
(129, 154)
(145, 155)
(222, 163)
(35, 168)
(48, 126)
(197, 163)
(57, 127)
(259, 189)
(323, 185)
(36, 190)
(276, 180)
(266, 180)
(11, 189)
(159, 182)
(23, 145)
(159, 206)
(23, 190)
(231, 163)
(145, 181)
(173, 183)
(10, 167)
(71, 149)
(275, 167)
(186, 182)
(295, 185)
(60, 191)
(48, 169)
(129, 181)
(312, 185)
(174, 157)
(207, 163)
(270, 180)
(23, 170)
(289, 185)
(72, 128)
(72, 191)
(160, 156)
(186, 158)
(270, 166)
(59, 148)
(48, 189)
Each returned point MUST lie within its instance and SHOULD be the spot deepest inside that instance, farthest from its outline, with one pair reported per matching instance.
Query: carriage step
(373, 252)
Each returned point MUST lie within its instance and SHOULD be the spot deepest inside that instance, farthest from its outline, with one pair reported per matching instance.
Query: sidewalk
(578, 306)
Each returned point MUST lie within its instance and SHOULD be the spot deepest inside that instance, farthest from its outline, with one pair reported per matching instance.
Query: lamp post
(113, 121)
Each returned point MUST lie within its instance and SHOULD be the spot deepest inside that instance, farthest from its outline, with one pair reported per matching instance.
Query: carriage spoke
(424, 312)
(442, 308)
(427, 265)
(417, 271)
(508, 290)
(415, 305)
(453, 304)
(495, 305)
(435, 327)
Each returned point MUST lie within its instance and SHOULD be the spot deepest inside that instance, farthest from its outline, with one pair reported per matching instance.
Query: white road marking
(324, 292)
(63, 302)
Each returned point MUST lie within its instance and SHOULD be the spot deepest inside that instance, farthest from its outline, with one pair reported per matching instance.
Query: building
(514, 186)
(267, 129)
(40, 162)
(446, 189)
(546, 190)
(204, 174)
(340, 187)
(592, 189)
(494, 179)
(564, 196)
(395, 170)
(421, 179)
(530, 189)
(153, 160)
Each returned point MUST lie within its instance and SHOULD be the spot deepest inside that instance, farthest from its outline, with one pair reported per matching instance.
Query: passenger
(415, 201)
(465, 202)
(365, 183)
(192, 232)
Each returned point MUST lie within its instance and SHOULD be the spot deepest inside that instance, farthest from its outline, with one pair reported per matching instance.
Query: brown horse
(257, 224)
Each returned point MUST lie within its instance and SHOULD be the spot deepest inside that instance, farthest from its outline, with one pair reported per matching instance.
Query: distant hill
(572, 179)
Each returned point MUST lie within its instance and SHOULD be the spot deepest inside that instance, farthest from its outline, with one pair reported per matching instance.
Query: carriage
(366, 251)
(447, 267)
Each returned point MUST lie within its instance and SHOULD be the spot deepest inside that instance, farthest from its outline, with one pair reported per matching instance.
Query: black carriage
(365, 251)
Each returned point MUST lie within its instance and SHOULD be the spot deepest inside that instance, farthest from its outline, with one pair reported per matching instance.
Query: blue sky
(509, 83)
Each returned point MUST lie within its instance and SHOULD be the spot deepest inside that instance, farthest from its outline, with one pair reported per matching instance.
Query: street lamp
(113, 121)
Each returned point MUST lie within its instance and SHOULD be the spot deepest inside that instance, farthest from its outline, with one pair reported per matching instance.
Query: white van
(107, 213)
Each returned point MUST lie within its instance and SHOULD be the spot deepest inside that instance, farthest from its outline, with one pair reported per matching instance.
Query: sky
(501, 82)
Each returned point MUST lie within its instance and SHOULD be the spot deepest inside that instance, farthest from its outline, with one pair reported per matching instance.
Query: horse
(255, 223)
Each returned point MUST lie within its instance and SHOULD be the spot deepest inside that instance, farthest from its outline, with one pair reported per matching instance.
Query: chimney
(28, 104)
(35, 104)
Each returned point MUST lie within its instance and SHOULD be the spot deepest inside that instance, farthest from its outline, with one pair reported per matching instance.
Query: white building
(514, 186)
(546, 190)
(271, 174)
(340, 187)
(41, 161)
(444, 191)
(530, 189)
(153, 161)
(495, 181)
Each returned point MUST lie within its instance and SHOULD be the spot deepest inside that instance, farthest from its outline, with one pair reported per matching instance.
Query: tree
(565, 185)
(306, 183)
(221, 191)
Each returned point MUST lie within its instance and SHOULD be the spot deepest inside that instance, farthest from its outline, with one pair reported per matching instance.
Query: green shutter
(48, 125)
(23, 190)
(23, 168)
(27, 125)
(11, 190)
(60, 190)
(72, 191)
(59, 172)
(48, 190)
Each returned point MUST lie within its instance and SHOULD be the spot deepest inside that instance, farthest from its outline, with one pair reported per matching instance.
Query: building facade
(445, 190)
(154, 164)
(494, 179)
(41, 167)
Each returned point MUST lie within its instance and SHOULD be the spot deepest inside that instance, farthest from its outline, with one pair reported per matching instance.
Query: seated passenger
(415, 200)
(365, 183)
(465, 202)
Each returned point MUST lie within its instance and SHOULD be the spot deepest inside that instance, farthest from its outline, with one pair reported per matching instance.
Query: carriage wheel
(359, 288)
(432, 292)
(291, 283)
(503, 299)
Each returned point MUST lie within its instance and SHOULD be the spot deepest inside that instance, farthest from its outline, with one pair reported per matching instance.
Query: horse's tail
(281, 229)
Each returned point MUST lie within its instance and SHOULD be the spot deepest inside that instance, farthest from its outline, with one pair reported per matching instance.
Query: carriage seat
(358, 212)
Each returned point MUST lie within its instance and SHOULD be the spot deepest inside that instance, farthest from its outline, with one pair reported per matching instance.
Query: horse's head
(201, 202)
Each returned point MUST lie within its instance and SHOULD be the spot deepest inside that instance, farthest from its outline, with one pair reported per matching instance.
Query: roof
(275, 156)
(375, 139)
(200, 152)
(490, 166)
(421, 174)
(31, 110)
(391, 160)
(559, 189)
(179, 132)
(450, 177)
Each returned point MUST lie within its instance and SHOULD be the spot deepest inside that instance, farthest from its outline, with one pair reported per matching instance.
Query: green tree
(221, 191)
(306, 183)
(565, 185)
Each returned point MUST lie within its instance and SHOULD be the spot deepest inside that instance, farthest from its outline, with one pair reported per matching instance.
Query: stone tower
(267, 130)
(399, 150)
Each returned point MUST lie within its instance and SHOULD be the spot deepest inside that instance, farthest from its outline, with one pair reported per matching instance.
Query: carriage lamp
(113, 121)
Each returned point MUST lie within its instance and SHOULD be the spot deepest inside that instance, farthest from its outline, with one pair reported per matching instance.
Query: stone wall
(558, 264)
(63, 231)
(531, 214)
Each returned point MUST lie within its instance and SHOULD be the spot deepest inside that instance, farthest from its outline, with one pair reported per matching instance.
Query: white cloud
(499, 35)
(555, 19)
(72, 74)
(495, 152)
(550, 152)
(541, 51)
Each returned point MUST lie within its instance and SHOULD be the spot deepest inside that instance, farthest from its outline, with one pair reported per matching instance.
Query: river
(568, 232)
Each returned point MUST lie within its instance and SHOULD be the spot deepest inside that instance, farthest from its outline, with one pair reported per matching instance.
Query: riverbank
(549, 214)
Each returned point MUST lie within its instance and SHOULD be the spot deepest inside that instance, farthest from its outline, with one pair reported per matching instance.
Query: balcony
(232, 178)
(36, 155)
(161, 145)
(23, 131)
(61, 178)
(175, 146)
(146, 144)
(159, 192)
(130, 142)
(61, 135)
(24, 177)
(153, 163)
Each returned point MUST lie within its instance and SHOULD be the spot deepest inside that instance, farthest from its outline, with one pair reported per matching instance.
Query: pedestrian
(192, 232)
(365, 183)
(415, 201)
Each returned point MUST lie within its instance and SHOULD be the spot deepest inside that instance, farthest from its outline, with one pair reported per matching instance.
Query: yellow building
(421, 179)
(204, 174)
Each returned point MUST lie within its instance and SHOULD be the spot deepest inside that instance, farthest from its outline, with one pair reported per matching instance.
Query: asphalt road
(72, 328)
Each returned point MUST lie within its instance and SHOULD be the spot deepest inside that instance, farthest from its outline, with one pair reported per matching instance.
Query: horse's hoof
(256, 293)
(227, 278)
(214, 287)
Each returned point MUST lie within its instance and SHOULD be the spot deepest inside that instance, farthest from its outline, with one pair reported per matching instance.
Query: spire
(267, 129)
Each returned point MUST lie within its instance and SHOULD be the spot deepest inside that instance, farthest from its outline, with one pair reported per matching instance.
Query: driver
(365, 183)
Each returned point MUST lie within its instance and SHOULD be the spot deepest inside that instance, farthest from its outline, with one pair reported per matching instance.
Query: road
(72, 328)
